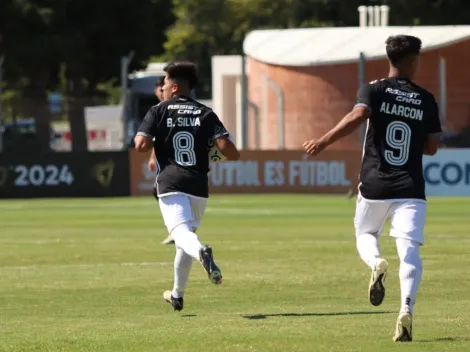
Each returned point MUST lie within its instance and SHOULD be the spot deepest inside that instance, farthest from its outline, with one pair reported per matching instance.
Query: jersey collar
(181, 96)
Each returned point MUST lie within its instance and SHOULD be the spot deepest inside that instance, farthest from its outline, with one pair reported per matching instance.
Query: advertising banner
(447, 173)
(64, 175)
(142, 180)
(287, 172)
(267, 172)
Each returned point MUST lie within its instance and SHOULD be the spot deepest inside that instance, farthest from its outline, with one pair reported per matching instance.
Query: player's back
(402, 116)
(184, 128)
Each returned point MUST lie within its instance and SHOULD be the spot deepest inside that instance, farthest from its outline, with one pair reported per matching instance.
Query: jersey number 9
(398, 138)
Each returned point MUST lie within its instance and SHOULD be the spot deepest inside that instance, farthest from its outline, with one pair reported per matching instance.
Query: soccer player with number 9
(402, 125)
(178, 129)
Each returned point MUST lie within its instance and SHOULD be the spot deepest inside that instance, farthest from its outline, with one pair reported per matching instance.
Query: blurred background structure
(277, 72)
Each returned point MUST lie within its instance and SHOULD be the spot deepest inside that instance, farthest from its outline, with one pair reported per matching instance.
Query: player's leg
(168, 239)
(198, 207)
(408, 220)
(368, 222)
(183, 264)
(178, 216)
(182, 268)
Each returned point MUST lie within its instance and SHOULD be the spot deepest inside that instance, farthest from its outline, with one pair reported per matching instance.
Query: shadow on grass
(188, 315)
(264, 316)
(444, 339)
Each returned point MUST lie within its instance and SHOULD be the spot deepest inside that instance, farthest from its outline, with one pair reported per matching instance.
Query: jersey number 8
(398, 137)
(183, 143)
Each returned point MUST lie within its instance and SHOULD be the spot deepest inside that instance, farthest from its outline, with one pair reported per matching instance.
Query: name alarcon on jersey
(400, 110)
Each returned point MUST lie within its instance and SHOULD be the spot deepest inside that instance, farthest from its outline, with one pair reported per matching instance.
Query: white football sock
(369, 248)
(411, 270)
(182, 267)
(187, 240)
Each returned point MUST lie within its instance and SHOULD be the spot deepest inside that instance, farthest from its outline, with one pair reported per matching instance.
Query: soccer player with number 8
(178, 129)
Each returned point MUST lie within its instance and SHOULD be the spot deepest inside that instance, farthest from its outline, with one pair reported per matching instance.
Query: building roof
(154, 69)
(326, 46)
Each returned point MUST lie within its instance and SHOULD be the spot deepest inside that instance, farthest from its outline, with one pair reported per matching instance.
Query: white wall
(226, 74)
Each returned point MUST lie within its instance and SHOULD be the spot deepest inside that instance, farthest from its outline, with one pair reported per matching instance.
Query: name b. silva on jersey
(185, 110)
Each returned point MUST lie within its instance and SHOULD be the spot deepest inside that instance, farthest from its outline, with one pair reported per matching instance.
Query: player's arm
(221, 138)
(227, 148)
(348, 124)
(147, 130)
(152, 163)
(433, 141)
(432, 144)
(152, 155)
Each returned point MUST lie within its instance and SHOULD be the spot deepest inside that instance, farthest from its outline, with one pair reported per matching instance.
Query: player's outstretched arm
(227, 148)
(346, 126)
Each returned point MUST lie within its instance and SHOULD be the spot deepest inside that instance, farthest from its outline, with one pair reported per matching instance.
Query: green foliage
(88, 37)
(72, 46)
(204, 28)
(111, 90)
(7, 98)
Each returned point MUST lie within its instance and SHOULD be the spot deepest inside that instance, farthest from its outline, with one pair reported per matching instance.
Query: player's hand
(314, 147)
(152, 165)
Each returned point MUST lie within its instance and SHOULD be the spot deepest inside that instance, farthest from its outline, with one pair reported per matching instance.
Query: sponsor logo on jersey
(404, 97)
(185, 109)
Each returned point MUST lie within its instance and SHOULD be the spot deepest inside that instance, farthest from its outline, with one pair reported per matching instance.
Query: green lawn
(87, 275)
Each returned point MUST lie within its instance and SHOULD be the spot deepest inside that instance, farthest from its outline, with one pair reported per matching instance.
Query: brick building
(317, 72)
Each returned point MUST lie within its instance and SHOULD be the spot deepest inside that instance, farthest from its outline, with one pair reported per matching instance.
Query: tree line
(75, 46)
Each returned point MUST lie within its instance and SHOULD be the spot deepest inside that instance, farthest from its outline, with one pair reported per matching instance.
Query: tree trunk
(36, 105)
(77, 109)
(43, 123)
(77, 124)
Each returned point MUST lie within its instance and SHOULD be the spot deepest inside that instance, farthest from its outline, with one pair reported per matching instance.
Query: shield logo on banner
(104, 172)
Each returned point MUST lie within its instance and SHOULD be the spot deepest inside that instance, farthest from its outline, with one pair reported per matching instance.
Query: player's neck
(186, 94)
(395, 73)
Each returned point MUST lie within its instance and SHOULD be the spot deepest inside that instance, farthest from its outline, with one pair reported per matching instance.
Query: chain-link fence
(60, 124)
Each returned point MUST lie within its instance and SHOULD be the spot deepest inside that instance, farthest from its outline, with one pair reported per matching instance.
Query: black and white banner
(64, 175)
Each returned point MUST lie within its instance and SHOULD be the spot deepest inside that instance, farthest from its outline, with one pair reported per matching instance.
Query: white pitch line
(36, 267)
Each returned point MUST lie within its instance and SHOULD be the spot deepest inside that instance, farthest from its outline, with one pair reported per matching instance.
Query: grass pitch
(88, 274)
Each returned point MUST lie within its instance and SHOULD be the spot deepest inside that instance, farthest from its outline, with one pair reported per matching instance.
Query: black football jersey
(182, 128)
(402, 115)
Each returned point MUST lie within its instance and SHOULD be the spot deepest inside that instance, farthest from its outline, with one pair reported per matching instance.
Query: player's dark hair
(182, 71)
(160, 82)
(402, 47)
